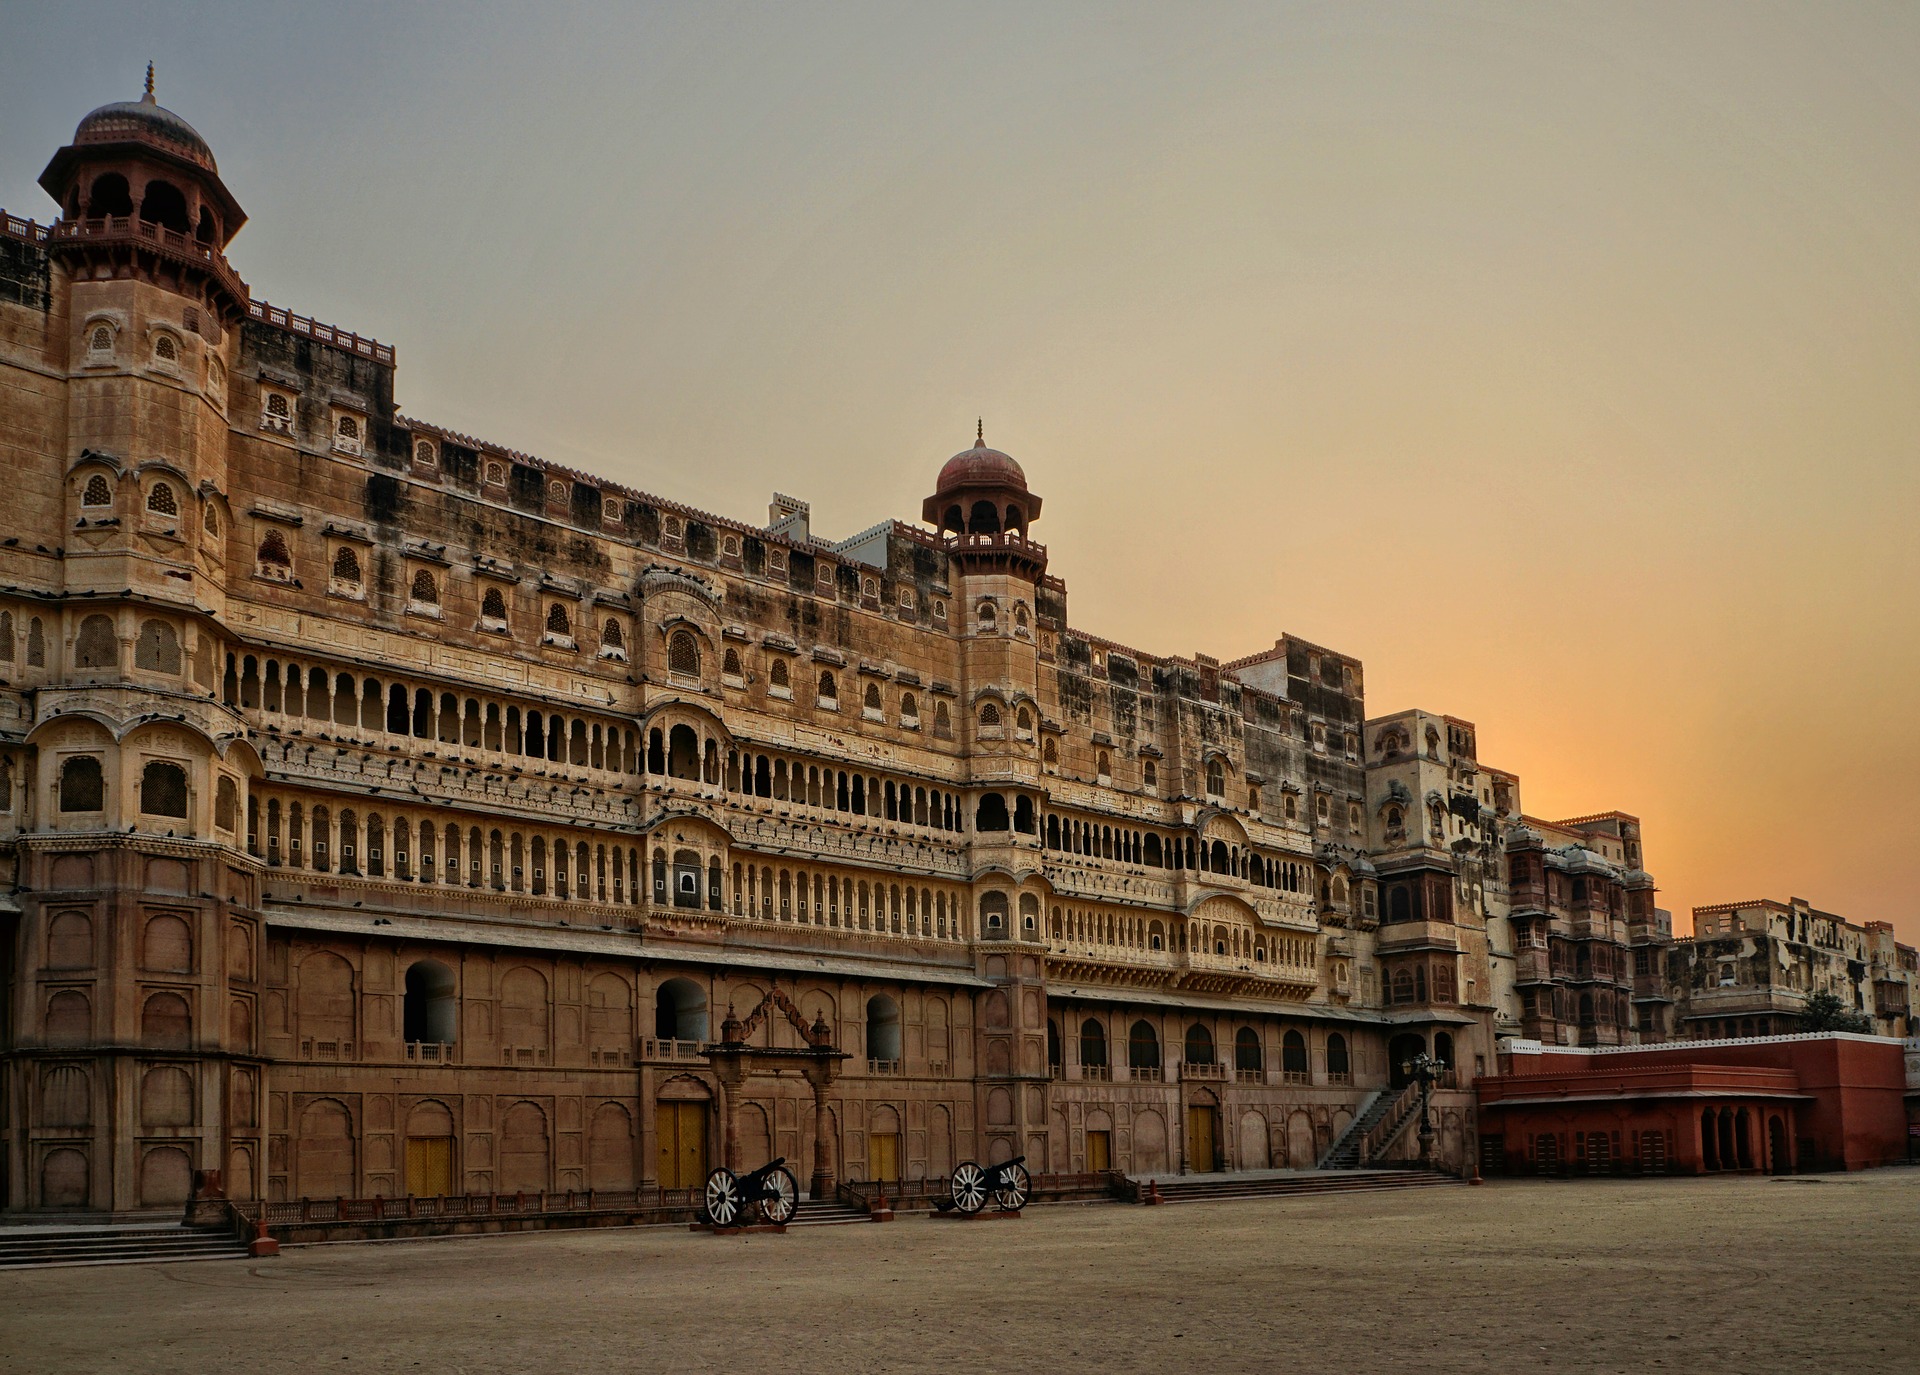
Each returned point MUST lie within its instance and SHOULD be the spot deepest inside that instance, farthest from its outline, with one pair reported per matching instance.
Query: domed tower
(138, 1001)
(153, 310)
(981, 501)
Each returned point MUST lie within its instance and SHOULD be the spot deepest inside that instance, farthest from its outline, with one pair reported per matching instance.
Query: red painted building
(1776, 1104)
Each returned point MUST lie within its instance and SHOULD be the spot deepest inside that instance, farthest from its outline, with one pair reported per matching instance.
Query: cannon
(1008, 1184)
(771, 1193)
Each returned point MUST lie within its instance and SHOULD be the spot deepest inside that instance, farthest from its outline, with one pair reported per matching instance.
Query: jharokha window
(683, 655)
(493, 609)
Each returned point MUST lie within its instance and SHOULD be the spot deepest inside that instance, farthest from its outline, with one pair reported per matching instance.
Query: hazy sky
(1559, 361)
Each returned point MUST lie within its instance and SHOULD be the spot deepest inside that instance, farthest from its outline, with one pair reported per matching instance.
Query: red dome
(981, 467)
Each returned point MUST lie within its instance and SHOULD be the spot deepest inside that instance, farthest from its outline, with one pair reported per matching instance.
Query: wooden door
(1200, 1149)
(883, 1157)
(682, 1132)
(1099, 1151)
(429, 1166)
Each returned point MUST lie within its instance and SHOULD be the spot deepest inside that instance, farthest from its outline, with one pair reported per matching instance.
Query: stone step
(825, 1214)
(1332, 1182)
(117, 1248)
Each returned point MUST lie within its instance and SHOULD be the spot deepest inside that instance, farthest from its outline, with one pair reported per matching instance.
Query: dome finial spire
(980, 433)
(148, 97)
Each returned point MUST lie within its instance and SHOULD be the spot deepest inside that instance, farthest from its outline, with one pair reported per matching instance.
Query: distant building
(1773, 1104)
(1750, 968)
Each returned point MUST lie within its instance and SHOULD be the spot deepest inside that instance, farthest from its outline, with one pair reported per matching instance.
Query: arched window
(989, 716)
(1149, 775)
(102, 341)
(1248, 1057)
(425, 591)
(1023, 723)
(348, 428)
(158, 648)
(430, 1012)
(909, 708)
(95, 646)
(680, 1011)
(423, 453)
(160, 500)
(274, 552)
(558, 622)
(829, 690)
(226, 804)
(870, 699)
(989, 618)
(1216, 779)
(778, 676)
(163, 789)
(730, 665)
(98, 492)
(1143, 1046)
(1199, 1045)
(277, 407)
(1093, 1043)
(346, 565)
(165, 350)
(210, 519)
(611, 636)
(992, 814)
(1103, 764)
(883, 1029)
(683, 753)
(1293, 1056)
(82, 785)
(683, 654)
(1339, 1065)
(493, 607)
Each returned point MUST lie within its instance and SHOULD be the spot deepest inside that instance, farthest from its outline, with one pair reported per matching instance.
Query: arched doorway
(680, 1011)
(1779, 1159)
(1401, 1052)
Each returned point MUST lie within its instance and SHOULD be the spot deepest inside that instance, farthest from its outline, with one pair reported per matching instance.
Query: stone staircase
(1235, 1188)
(1393, 1106)
(825, 1212)
(115, 1244)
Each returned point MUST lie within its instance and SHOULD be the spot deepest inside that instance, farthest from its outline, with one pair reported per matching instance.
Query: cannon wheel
(723, 1198)
(782, 1197)
(969, 1187)
(1016, 1185)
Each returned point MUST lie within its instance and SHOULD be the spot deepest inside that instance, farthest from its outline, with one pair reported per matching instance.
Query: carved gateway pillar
(820, 1075)
(733, 1060)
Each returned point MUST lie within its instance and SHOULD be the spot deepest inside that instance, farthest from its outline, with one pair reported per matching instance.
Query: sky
(1559, 361)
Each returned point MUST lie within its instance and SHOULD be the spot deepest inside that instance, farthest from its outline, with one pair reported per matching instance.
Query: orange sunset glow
(1558, 363)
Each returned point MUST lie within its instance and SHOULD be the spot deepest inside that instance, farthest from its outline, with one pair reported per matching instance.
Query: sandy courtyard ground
(1813, 1274)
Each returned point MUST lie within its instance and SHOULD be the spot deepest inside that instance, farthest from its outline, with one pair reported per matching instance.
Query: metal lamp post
(1423, 1069)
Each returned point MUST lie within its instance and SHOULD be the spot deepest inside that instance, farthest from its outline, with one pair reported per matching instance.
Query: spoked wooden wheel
(1016, 1185)
(782, 1197)
(969, 1187)
(723, 1198)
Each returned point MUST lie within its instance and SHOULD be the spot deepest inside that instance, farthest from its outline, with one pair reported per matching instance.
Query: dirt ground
(1746, 1275)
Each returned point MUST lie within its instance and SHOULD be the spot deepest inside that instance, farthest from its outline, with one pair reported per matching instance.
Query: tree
(1825, 1012)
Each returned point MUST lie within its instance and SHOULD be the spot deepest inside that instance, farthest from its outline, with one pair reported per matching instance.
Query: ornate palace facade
(388, 812)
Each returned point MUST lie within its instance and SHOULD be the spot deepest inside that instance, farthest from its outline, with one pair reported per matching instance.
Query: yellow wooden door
(1099, 1151)
(883, 1157)
(682, 1132)
(1200, 1151)
(429, 1166)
